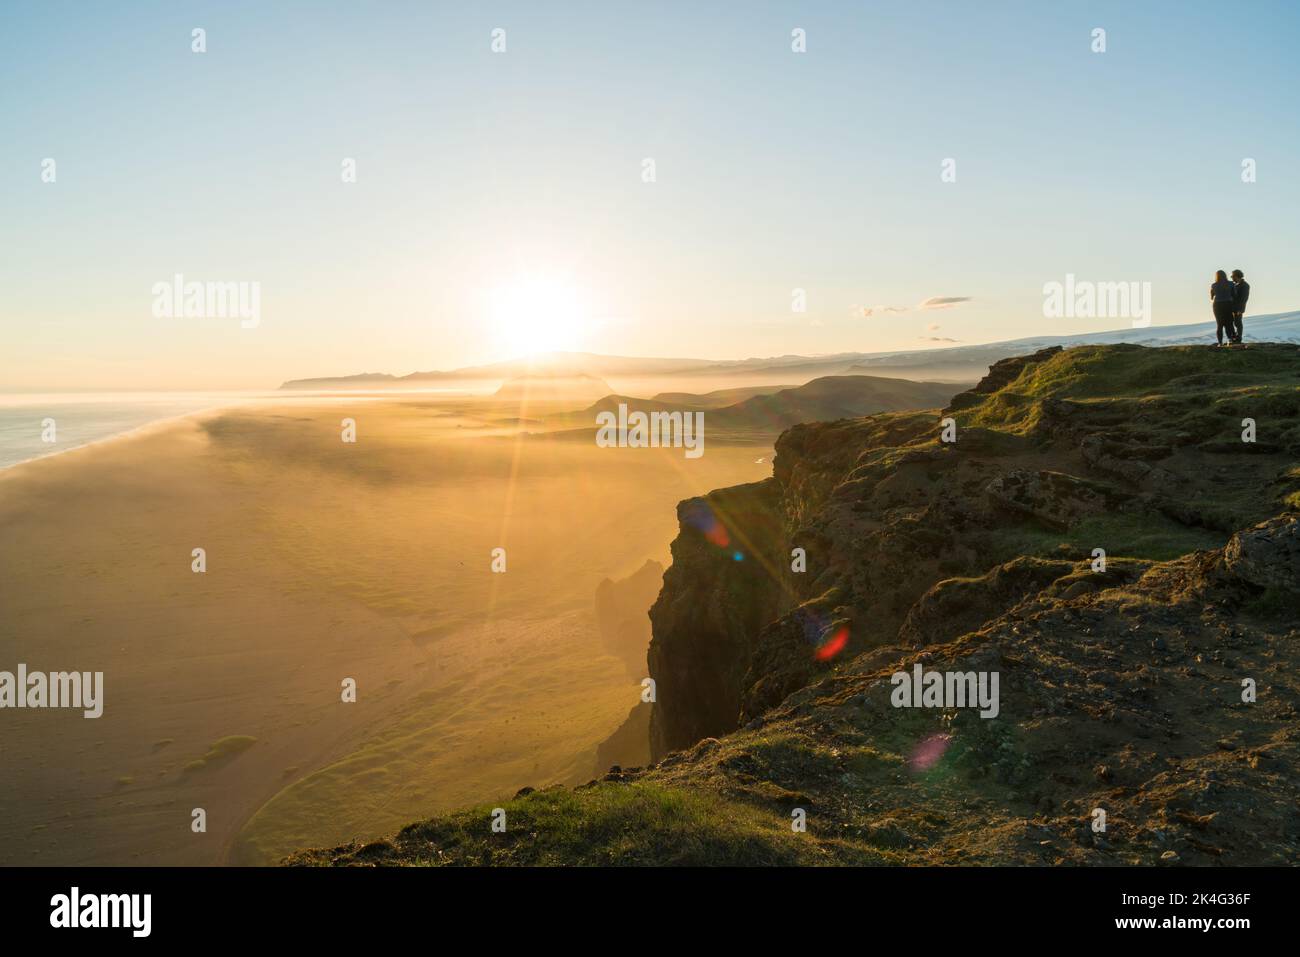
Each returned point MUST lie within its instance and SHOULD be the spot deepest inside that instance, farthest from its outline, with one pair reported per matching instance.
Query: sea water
(27, 421)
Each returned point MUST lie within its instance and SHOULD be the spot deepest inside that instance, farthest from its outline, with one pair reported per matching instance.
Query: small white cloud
(868, 311)
(943, 302)
(934, 302)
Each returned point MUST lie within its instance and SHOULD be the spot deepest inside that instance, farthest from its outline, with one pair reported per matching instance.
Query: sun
(532, 314)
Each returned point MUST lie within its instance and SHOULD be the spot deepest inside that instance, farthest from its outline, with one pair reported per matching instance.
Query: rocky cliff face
(719, 592)
(1114, 534)
(909, 538)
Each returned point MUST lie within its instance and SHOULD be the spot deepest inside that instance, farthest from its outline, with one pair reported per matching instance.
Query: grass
(1182, 378)
(608, 824)
(1133, 371)
(1122, 536)
(1273, 603)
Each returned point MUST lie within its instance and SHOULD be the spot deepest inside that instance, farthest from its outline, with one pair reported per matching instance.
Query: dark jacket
(1222, 291)
(1240, 295)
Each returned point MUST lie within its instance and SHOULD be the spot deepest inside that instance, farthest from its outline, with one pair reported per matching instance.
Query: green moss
(1171, 384)
(1122, 536)
(610, 823)
(1273, 603)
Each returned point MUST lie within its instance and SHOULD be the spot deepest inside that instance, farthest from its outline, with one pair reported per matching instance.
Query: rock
(708, 616)
(887, 833)
(1053, 498)
(953, 607)
(1077, 590)
(1267, 555)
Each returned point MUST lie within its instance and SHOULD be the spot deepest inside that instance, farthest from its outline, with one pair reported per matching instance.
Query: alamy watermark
(55, 689)
(179, 299)
(946, 689)
(1085, 299)
(75, 909)
(651, 430)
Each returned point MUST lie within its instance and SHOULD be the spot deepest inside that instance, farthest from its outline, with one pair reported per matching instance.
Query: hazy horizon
(542, 360)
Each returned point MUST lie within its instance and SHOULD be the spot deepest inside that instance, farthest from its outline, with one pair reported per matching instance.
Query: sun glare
(539, 314)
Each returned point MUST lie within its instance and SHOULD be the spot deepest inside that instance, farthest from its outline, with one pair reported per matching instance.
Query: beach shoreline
(325, 561)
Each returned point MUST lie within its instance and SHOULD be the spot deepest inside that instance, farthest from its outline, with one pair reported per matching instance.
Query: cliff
(1131, 450)
(1099, 536)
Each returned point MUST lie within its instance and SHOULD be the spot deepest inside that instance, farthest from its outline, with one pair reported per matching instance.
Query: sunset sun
(532, 314)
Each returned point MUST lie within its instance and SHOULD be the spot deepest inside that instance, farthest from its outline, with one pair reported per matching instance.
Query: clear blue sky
(775, 171)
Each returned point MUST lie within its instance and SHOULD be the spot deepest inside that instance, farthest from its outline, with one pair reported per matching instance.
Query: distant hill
(551, 364)
(718, 398)
(834, 397)
(541, 387)
(959, 363)
(821, 400)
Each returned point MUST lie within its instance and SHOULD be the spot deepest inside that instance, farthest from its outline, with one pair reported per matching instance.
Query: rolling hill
(824, 399)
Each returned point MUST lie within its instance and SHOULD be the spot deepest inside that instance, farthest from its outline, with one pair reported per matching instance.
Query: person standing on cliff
(1221, 299)
(1240, 295)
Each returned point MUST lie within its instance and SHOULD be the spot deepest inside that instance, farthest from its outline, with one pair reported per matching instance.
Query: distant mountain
(834, 397)
(822, 400)
(718, 397)
(949, 364)
(542, 387)
(550, 364)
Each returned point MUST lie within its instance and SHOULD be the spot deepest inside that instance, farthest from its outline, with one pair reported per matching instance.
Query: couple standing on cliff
(1228, 297)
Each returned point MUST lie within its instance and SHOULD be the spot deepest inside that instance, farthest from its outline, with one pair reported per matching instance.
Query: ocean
(81, 418)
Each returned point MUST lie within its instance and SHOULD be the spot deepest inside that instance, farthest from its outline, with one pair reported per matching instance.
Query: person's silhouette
(1240, 295)
(1221, 299)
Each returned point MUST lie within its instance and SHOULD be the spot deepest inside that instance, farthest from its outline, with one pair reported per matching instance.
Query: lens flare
(832, 646)
(699, 516)
(927, 754)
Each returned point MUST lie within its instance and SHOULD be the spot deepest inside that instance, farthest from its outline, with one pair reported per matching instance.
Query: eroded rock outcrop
(1268, 555)
(721, 589)
(912, 540)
